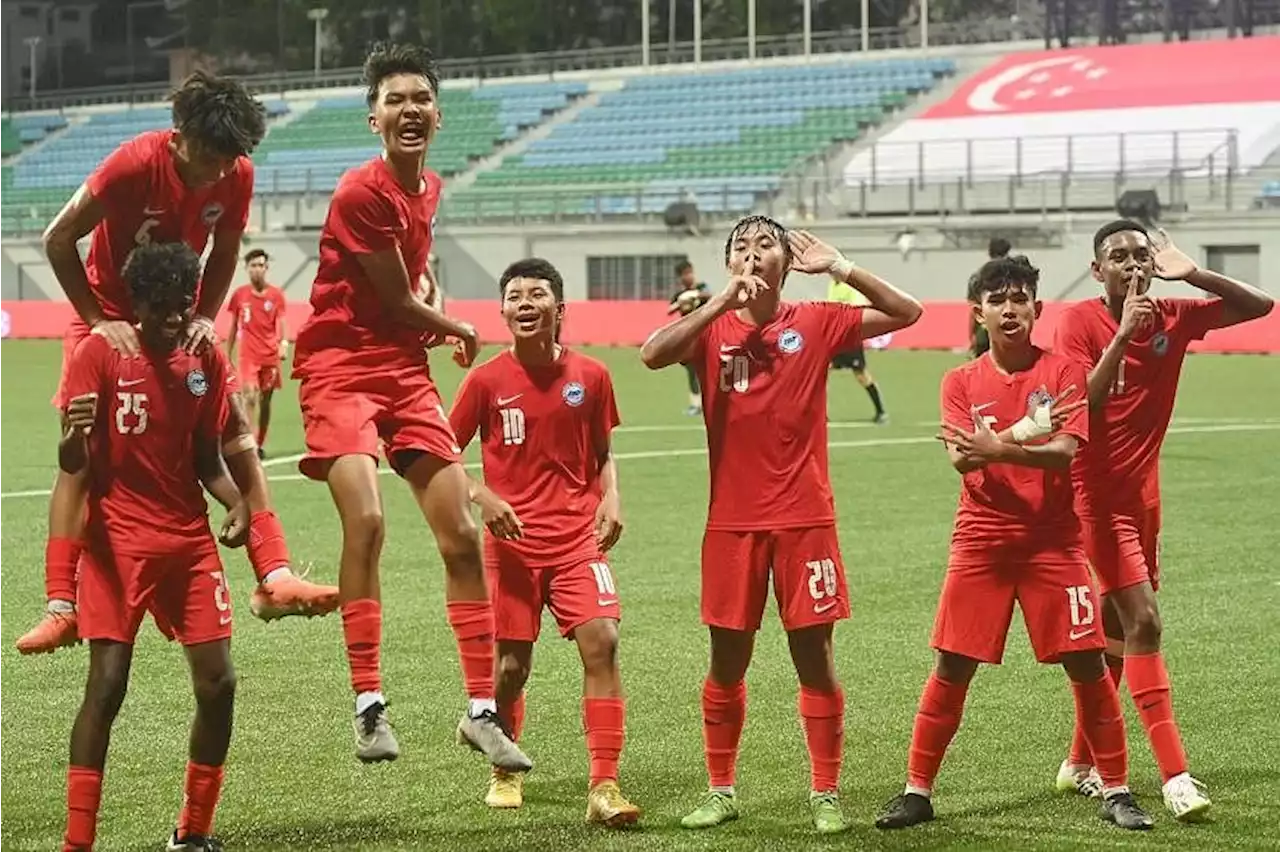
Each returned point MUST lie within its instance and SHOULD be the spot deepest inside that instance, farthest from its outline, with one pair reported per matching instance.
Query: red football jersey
(1007, 504)
(145, 498)
(764, 400)
(259, 315)
(146, 202)
(369, 212)
(543, 431)
(1121, 464)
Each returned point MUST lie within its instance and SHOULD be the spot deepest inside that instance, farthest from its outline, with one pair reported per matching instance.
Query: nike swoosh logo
(819, 609)
(1079, 634)
(983, 407)
(224, 620)
(603, 602)
(508, 399)
(726, 347)
(130, 383)
(150, 212)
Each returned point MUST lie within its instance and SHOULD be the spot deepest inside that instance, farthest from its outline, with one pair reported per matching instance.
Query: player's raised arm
(219, 269)
(1241, 302)
(76, 220)
(676, 341)
(891, 309)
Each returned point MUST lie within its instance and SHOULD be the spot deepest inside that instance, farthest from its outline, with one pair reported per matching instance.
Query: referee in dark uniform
(691, 295)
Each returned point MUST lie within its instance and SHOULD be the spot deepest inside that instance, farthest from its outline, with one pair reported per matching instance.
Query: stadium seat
(725, 137)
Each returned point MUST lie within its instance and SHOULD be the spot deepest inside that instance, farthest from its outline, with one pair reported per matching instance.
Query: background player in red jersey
(257, 314)
(1016, 538)
(1133, 346)
(763, 369)
(148, 542)
(550, 501)
(365, 382)
(179, 185)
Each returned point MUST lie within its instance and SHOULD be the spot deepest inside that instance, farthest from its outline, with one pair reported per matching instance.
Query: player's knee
(459, 542)
(1144, 627)
(364, 529)
(105, 692)
(216, 688)
(955, 668)
(598, 645)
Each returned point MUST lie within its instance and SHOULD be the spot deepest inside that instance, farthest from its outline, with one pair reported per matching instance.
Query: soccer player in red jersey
(1133, 345)
(257, 316)
(550, 502)
(365, 382)
(1016, 538)
(179, 185)
(145, 430)
(762, 365)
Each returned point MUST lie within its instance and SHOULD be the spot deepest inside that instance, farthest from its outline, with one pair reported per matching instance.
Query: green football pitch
(293, 782)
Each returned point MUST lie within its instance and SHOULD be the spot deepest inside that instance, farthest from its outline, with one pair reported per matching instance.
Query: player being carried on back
(181, 185)
(550, 501)
(1016, 538)
(763, 365)
(258, 328)
(366, 385)
(148, 546)
(1132, 346)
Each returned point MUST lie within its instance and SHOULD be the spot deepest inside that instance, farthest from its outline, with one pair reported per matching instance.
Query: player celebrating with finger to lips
(763, 366)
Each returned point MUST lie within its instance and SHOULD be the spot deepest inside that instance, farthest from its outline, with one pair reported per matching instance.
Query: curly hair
(1117, 226)
(534, 267)
(386, 60)
(775, 228)
(995, 275)
(163, 275)
(218, 114)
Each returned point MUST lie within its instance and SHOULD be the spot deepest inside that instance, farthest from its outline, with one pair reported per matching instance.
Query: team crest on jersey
(573, 393)
(1160, 343)
(211, 213)
(197, 383)
(1038, 397)
(267, 306)
(790, 341)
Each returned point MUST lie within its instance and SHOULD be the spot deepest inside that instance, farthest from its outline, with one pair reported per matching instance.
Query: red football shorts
(259, 377)
(187, 596)
(579, 592)
(808, 577)
(76, 332)
(1123, 547)
(349, 412)
(1059, 604)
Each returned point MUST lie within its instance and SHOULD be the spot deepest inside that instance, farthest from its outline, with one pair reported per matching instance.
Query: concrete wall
(471, 258)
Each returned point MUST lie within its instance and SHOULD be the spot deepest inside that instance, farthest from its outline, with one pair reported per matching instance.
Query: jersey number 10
(512, 426)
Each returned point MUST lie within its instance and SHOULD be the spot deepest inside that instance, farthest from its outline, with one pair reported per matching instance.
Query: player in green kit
(856, 359)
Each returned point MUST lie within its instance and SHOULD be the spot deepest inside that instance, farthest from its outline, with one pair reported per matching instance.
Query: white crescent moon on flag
(983, 96)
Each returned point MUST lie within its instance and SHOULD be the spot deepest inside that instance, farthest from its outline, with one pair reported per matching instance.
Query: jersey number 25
(132, 405)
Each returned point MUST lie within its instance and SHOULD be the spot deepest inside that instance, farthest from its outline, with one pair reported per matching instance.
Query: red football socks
(1098, 713)
(937, 719)
(84, 794)
(472, 623)
(724, 709)
(512, 716)
(362, 628)
(1149, 686)
(605, 722)
(822, 714)
(199, 800)
(1080, 754)
(267, 547)
(61, 556)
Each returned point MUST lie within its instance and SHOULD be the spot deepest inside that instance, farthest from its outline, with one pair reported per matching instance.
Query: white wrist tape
(1036, 425)
(843, 268)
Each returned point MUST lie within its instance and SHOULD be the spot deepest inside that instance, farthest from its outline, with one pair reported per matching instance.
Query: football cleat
(827, 816)
(1185, 798)
(375, 741)
(488, 735)
(608, 807)
(905, 810)
(292, 595)
(1084, 780)
(715, 808)
(55, 630)
(506, 789)
(1122, 809)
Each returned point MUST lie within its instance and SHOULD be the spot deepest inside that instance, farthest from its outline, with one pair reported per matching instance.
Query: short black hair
(218, 114)
(683, 266)
(1116, 226)
(746, 223)
(534, 267)
(998, 247)
(253, 254)
(386, 59)
(1001, 272)
(162, 274)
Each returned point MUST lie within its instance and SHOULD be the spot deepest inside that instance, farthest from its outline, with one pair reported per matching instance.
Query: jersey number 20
(735, 374)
